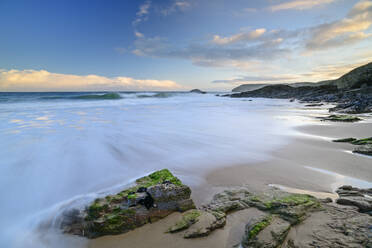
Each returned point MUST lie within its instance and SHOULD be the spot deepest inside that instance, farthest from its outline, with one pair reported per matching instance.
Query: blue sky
(179, 44)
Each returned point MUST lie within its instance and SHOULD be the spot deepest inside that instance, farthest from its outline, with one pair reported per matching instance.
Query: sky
(91, 45)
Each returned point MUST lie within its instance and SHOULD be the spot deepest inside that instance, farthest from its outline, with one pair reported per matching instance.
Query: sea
(60, 150)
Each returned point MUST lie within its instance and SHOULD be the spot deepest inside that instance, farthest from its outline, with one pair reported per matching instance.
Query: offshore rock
(198, 91)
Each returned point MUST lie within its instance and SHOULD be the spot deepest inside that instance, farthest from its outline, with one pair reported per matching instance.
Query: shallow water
(63, 149)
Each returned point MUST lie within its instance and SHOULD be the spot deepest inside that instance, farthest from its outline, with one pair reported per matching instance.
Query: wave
(157, 95)
(106, 96)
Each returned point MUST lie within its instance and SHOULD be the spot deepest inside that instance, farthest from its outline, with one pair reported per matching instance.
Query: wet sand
(311, 163)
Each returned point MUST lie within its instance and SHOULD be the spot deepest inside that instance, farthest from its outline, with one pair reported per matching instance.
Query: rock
(188, 218)
(364, 149)
(198, 91)
(362, 199)
(198, 223)
(326, 200)
(345, 140)
(362, 203)
(365, 145)
(314, 105)
(341, 118)
(152, 198)
(207, 222)
(269, 232)
(334, 226)
(366, 141)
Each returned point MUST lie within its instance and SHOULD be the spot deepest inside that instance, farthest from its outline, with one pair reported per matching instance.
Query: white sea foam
(60, 152)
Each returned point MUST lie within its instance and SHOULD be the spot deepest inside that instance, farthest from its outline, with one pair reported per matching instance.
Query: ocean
(62, 150)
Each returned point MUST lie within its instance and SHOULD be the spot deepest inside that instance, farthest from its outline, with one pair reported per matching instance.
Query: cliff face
(357, 78)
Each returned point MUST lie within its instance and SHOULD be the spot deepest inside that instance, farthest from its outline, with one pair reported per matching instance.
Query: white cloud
(138, 34)
(141, 16)
(299, 4)
(42, 80)
(351, 29)
(267, 47)
(244, 36)
(178, 5)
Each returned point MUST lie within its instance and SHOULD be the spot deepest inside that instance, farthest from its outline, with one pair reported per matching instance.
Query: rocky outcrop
(278, 206)
(341, 118)
(269, 232)
(352, 92)
(364, 146)
(364, 149)
(197, 91)
(152, 198)
(360, 198)
(287, 220)
(199, 223)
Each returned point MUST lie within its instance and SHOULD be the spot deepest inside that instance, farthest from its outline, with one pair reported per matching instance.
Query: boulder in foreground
(152, 198)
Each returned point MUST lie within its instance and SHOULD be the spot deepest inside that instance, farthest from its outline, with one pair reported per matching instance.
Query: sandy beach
(311, 163)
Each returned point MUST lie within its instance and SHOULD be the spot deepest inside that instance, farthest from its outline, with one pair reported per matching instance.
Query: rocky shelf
(363, 146)
(282, 219)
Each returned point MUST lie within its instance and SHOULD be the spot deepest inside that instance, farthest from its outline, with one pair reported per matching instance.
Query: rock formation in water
(198, 91)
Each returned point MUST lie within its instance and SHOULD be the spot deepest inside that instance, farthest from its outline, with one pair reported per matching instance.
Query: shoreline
(311, 163)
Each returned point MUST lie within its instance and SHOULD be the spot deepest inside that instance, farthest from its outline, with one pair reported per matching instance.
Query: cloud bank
(42, 80)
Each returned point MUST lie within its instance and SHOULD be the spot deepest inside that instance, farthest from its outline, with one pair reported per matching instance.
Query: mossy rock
(342, 118)
(188, 218)
(134, 206)
(365, 141)
(364, 149)
(345, 140)
(255, 229)
(158, 177)
(269, 232)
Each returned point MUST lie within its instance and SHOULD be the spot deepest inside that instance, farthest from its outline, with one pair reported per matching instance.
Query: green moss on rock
(346, 140)
(258, 227)
(188, 218)
(158, 177)
(365, 141)
(342, 118)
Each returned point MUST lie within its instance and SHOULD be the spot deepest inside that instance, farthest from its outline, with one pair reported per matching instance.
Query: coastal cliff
(352, 92)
